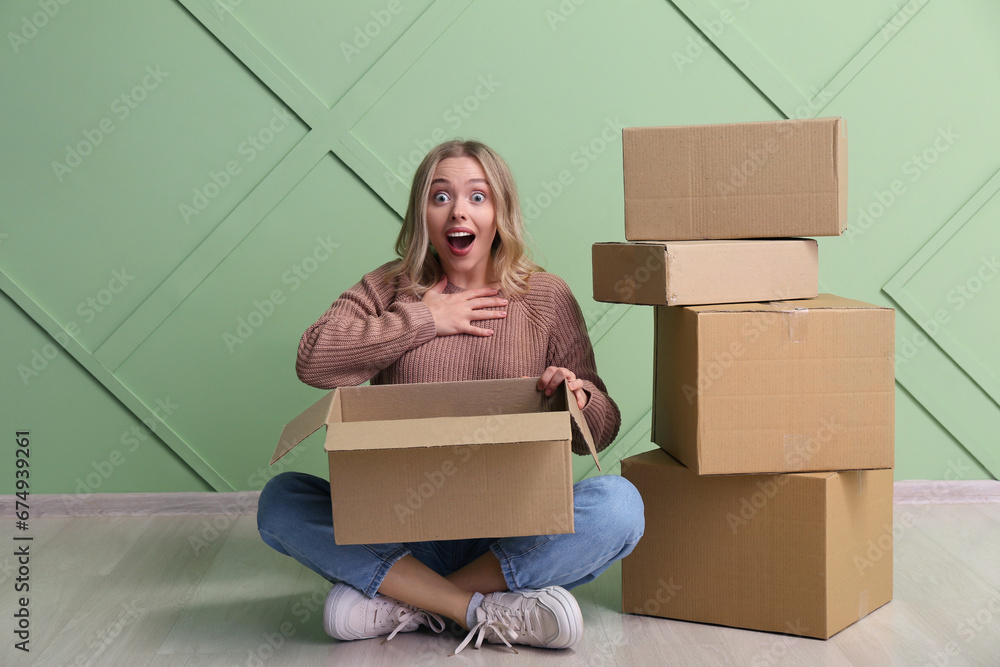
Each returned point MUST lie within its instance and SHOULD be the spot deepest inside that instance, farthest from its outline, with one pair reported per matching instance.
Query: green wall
(187, 185)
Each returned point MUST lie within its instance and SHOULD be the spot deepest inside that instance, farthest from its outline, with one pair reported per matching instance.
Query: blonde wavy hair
(420, 264)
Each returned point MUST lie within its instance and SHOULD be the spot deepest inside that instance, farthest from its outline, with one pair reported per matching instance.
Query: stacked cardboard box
(769, 504)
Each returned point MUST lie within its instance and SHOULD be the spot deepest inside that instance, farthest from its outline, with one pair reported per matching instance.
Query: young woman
(463, 302)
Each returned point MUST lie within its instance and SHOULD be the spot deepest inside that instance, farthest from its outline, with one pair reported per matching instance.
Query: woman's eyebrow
(471, 180)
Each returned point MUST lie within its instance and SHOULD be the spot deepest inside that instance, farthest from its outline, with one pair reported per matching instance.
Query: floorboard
(202, 589)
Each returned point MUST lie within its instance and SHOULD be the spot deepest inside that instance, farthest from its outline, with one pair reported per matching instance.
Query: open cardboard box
(772, 179)
(446, 460)
(782, 386)
(804, 553)
(679, 273)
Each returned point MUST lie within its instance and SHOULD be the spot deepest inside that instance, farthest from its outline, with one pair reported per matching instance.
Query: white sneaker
(350, 614)
(548, 618)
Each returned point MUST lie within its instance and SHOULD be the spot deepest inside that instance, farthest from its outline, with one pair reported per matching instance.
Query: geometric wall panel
(328, 46)
(229, 348)
(206, 264)
(952, 287)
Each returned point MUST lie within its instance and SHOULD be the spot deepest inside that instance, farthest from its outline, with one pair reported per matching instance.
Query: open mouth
(460, 241)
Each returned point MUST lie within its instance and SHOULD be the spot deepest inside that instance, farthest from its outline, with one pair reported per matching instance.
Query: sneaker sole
(331, 620)
(563, 606)
(571, 608)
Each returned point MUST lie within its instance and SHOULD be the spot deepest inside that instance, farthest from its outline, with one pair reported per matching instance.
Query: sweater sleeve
(363, 332)
(569, 347)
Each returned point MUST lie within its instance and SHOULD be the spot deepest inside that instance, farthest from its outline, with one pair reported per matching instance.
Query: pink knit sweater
(374, 333)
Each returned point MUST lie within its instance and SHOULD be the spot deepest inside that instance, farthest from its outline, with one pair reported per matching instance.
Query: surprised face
(461, 221)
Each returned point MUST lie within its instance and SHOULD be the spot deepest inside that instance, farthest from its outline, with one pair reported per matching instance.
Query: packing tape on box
(863, 604)
(796, 324)
(796, 448)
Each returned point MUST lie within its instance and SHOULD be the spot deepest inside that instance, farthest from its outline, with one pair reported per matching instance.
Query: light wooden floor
(204, 590)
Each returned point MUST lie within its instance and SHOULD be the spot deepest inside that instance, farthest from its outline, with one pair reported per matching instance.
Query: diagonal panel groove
(216, 247)
(114, 385)
(932, 323)
(218, 19)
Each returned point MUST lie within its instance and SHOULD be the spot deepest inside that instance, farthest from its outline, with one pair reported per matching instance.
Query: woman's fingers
(487, 302)
(553, 376)
(454, 313)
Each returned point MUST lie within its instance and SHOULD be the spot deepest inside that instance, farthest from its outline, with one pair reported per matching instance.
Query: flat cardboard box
(785, 386)
(677, 273)
(446, 460)
(772, 179)
(805, 554)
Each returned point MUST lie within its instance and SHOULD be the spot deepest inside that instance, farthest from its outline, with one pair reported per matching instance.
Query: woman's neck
(474, 279)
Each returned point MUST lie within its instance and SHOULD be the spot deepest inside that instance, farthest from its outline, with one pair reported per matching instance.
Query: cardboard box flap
(821, 301)
(581, 422)
(446, 432)
(307, 423)
(467, 398)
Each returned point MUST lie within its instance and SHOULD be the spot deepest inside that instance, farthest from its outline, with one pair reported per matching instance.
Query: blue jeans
(294, 517)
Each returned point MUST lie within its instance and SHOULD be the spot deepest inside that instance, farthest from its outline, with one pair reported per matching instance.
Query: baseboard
(919, 492)
(908, 492)
(136, 504)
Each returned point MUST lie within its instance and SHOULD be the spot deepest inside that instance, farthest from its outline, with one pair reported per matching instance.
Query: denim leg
(295, 518)
(608, 521)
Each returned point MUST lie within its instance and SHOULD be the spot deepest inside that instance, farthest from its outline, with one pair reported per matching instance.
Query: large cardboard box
(784, 386)
(677, 273)
(446, 460)
(806, 554)
(746, 180)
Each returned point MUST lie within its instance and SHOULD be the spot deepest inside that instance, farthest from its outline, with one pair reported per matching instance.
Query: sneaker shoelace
(504, 622)
(411, 616)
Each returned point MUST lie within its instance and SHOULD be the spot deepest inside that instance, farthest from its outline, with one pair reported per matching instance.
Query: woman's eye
(440, 197)
(478, 197)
